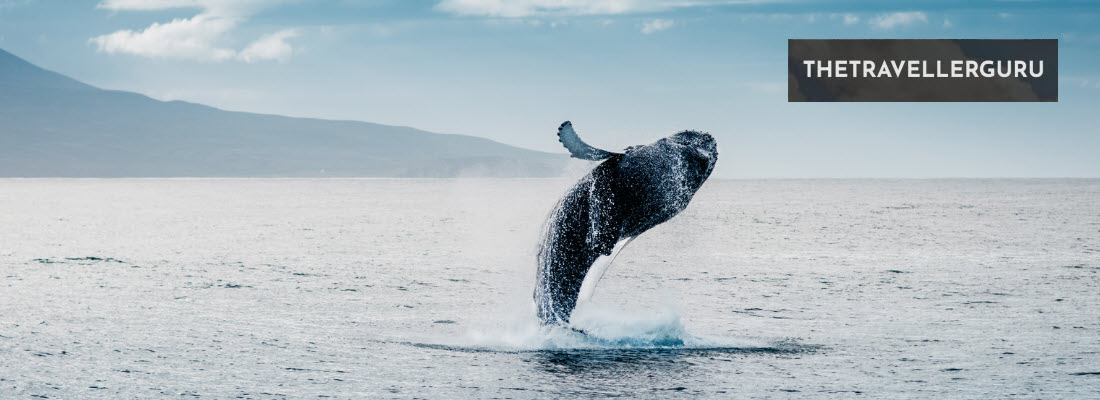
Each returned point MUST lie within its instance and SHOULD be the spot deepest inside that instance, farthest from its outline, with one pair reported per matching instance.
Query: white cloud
(146, 4)
(846, 18)
(197, 38)
(269, 47)
(215, 7)
(893, 20)
(528, 8)
(656, 25)
(767, 17)
(191, 38)
(14, 3)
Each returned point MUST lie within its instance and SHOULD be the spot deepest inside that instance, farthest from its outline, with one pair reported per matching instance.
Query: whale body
(625, 195)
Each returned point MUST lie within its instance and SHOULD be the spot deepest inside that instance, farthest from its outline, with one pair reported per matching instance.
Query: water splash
(595, 327)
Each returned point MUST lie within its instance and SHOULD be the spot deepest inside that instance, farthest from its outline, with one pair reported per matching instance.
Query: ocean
(421, 288)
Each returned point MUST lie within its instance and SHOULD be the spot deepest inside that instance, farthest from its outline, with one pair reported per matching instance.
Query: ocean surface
(376, 288)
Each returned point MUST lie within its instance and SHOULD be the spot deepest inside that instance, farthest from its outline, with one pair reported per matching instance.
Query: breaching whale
(626, 194)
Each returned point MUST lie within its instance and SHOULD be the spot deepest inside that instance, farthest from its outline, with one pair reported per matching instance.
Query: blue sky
(624, 71)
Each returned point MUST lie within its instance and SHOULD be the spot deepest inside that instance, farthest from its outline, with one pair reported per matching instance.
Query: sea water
(378, 288)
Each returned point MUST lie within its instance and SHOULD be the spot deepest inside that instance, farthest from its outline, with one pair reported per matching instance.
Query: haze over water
(302, 288)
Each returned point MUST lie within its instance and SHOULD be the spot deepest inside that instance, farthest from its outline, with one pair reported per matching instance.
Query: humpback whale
(626, 194)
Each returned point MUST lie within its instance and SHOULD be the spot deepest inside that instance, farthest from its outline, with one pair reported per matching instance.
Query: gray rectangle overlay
(922, 70)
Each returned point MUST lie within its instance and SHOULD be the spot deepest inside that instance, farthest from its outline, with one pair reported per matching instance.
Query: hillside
(54, 126)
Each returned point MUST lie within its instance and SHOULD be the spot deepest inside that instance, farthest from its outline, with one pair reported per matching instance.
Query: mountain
(55, 126)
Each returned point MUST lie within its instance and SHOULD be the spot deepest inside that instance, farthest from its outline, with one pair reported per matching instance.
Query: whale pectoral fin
(598, 269)
(577, 147)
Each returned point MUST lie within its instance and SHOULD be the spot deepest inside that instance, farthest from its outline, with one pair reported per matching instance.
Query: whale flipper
(577, 147)
(598, 269)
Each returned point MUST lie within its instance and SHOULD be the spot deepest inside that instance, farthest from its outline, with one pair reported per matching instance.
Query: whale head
(700, 148)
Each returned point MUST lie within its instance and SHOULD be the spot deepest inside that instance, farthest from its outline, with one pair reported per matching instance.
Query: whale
(623, 196)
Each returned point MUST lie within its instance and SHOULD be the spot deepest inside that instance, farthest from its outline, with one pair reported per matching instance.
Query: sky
(625, 72)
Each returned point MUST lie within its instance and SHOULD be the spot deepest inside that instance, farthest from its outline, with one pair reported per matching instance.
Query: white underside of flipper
(577, 147)
(598, 268)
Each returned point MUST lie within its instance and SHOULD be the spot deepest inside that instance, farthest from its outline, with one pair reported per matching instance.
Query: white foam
(594, 326)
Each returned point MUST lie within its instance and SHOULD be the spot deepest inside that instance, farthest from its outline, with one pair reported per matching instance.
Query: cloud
(846, 18)
(191, 38)
(240, 8)
(14, 3)
(198, 38)
(767, 17)
(892, 20)
(657, 25)
(146, 4)
(269, 47)
(528, 8)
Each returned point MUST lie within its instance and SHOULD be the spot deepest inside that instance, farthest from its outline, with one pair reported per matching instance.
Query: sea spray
(596, 326)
